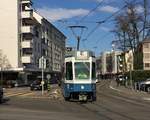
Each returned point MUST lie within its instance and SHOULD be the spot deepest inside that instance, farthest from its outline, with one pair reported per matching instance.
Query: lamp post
(1, 76)
(42, 65)
(130, 77)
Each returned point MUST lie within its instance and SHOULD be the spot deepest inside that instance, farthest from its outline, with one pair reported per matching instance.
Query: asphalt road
(110, 105)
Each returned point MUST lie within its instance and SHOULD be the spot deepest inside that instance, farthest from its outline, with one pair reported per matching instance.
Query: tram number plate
(82, 97)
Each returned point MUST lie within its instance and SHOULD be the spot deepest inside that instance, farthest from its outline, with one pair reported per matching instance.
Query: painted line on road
(147, 99)
(143, 98)
(14, 94)
(26, 94)
(115, 88)
(111, 87)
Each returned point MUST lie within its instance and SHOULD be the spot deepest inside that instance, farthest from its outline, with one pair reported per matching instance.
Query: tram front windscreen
(82, 70)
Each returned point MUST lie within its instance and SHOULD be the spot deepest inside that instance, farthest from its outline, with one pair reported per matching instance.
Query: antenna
(77, 35)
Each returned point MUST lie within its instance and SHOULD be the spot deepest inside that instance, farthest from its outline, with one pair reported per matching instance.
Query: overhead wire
(106, 20)
(103, 21)
(92, 10)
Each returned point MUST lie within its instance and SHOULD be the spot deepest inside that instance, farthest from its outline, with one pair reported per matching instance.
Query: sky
(87, 15)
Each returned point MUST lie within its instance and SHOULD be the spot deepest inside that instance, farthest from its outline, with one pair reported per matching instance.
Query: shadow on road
(5, 101)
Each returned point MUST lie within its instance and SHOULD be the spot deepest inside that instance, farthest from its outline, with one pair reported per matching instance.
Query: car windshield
(36, 82)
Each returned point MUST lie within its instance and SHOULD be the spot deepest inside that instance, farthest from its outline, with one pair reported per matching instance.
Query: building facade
(26, 37)
(146, 54)
(107, 63)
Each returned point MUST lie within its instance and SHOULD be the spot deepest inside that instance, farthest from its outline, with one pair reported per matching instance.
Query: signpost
(48, 78)
(42, 65)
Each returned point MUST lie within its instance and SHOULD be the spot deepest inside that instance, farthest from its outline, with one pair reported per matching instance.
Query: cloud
(108, 9)
(54, 14)
(105, 29)
(139, 9)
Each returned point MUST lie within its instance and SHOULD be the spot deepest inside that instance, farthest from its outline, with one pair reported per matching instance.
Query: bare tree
(131, 28)
(4, 62)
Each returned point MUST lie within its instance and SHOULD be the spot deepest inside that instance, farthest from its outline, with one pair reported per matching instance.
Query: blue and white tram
(80, 77)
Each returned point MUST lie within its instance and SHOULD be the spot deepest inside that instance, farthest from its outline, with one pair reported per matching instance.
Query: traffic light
(47, 63)
(120, 63)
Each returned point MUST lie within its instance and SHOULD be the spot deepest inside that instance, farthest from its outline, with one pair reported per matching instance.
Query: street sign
(42, 63)
(48, 76)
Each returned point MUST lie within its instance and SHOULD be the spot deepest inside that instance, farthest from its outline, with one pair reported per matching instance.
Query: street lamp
(1, 76)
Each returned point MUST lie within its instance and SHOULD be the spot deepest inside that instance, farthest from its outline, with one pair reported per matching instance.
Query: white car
(145, 85)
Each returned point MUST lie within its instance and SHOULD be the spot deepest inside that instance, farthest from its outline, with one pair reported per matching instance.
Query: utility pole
(131, 83)
(145, 17)
(42, 82)
(78, 37)
(42, 65)
(78, 43)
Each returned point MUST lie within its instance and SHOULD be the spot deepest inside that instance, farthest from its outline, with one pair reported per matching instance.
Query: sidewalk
(25, 92)
(54, 93)
(130, 92)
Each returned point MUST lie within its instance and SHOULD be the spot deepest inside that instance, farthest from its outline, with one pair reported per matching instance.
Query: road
(110, 105)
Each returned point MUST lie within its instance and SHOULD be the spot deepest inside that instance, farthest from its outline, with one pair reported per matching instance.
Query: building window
(37, 34)
(146, 45)
(147, 65)
(147, 55)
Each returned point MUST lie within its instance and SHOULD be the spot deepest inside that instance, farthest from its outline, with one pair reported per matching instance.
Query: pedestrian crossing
(26, 94)
(18, 94)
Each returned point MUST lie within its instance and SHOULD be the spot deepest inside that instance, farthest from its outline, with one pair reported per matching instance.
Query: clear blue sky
(71, 11)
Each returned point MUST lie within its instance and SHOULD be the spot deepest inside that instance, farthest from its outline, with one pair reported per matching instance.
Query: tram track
(105, 111)
(109, 93)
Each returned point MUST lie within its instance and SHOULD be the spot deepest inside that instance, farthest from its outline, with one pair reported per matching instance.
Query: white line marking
(144, 98)
(115, 88)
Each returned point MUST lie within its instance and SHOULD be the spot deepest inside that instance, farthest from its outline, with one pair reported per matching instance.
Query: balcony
(27, 14)
(27, 44)
(26, 59)
(26, 2)
(27, 29)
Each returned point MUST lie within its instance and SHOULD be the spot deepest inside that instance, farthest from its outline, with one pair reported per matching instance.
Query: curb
(118, 90)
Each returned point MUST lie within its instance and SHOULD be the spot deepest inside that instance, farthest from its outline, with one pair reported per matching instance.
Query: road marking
(14, 94)
(114, 88)
(143, 98)
(147, 99)
(26, 94)
(111, 87)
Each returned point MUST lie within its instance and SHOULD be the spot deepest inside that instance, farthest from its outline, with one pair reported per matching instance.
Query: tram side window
(69, 72)
(93, 71)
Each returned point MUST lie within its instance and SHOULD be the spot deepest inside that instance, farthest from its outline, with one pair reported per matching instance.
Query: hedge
(139, 75)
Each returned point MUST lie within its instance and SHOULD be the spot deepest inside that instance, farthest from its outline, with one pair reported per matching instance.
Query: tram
(80, 76)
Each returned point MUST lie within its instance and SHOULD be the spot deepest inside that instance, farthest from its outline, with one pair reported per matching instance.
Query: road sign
(48, 76)
(42, 63)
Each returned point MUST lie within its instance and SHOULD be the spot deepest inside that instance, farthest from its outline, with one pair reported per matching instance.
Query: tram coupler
(82, 97)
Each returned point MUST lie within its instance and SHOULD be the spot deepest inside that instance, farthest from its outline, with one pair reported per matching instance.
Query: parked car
(10, 83)
(144, 85)
(1, 94)
(36, 85)
(120, 79)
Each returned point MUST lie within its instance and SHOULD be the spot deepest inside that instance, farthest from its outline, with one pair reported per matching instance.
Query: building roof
(147, 40)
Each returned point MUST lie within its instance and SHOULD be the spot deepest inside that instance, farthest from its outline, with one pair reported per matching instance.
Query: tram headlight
(82, 87)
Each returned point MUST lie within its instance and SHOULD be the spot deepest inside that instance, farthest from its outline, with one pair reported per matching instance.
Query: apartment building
(129, 60)
(146, 54)
(107, 63)
(26, 36)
